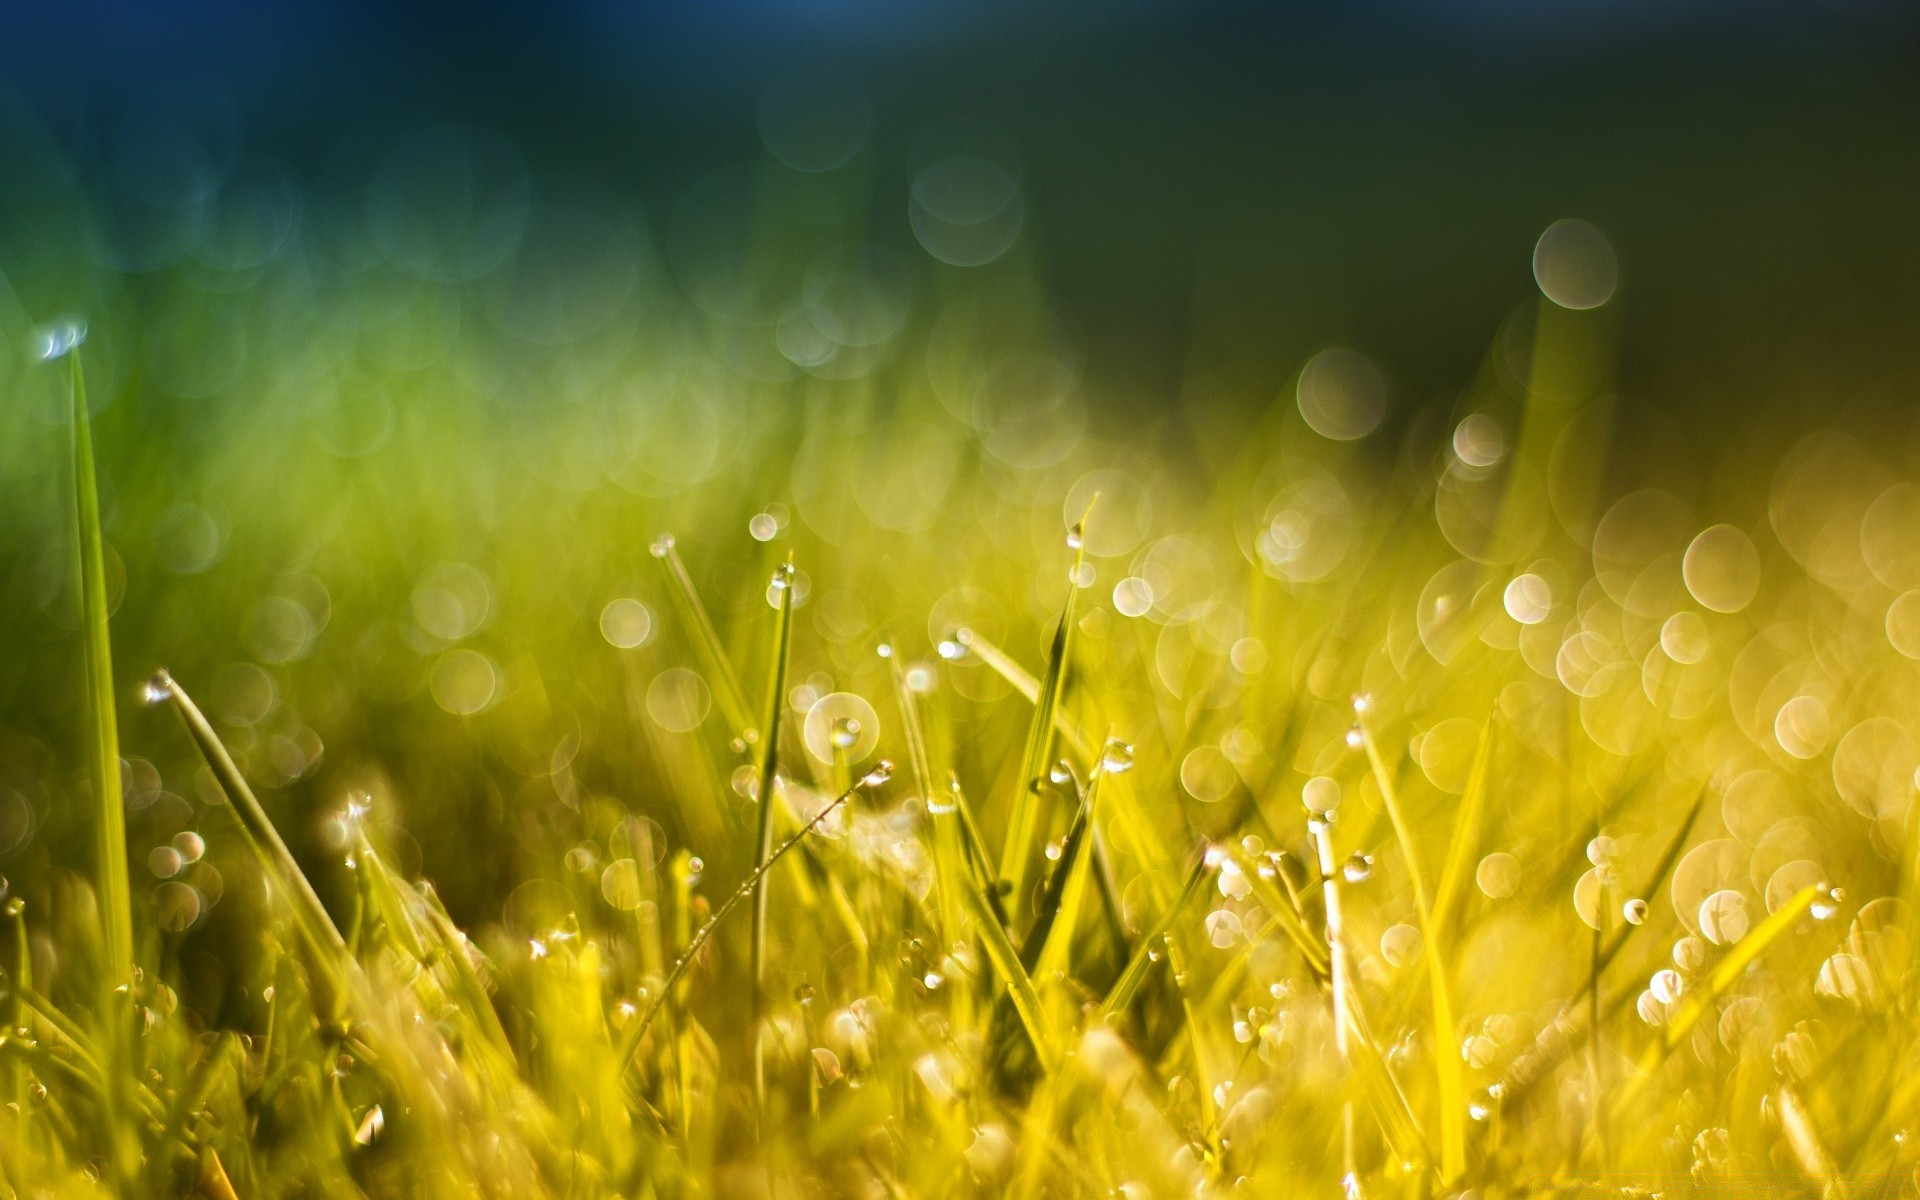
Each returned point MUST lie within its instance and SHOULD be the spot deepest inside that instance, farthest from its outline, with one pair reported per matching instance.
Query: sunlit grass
(1397, 799)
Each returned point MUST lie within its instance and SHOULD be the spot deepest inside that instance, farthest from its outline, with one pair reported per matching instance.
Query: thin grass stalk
(763, 836)
(328, 951)
(637, 1031)
(1451, 1091)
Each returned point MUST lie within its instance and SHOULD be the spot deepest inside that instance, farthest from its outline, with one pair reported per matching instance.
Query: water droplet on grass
(1357, 867)
(58, 339)
(158, 689)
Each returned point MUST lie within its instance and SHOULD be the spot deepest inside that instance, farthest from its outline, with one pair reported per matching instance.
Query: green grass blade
(1557, 1040)
(1127, 986)
(638, 1029)
(1005, 958)
(1450, 1093)
(1024, 682)
(949, 849)
(103, 771)
(1023, 815)
(769, 754)
(1466, 836)
(1068, 876)
(727, 691)
(1700, 1001)
(103, 735)
(310, 915)
(1281, 905)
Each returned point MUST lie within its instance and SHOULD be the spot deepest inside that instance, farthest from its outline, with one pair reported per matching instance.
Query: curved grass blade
(638, 1030)
(1023, 681)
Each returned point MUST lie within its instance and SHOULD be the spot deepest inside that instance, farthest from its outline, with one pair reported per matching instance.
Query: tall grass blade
(1024, 814)
(1466, 836)
(769, 748)
(114, 1010)
(1450, 1090)
(316, 925)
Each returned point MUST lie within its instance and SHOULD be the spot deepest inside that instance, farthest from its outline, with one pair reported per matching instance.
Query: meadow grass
(1475, 819)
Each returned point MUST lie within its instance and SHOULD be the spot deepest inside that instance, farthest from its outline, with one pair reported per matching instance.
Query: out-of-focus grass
(1484, 795)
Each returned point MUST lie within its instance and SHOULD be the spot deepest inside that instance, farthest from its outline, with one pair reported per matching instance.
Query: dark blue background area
(1373, 172)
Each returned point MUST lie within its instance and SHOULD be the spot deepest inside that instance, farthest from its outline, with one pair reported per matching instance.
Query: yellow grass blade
(1450, 1093)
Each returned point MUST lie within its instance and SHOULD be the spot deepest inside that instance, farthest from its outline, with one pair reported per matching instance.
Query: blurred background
(410, 327)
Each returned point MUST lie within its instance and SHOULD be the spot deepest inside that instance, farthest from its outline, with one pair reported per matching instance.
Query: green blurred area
(383, 438)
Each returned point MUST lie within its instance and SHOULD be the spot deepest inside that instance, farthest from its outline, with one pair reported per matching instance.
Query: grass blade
(1450, 1091)
(1023, 817)
(1005, 958)
(1466, 835)
(1024, 682)
(317, 929)
(1062, 892)
(763, 838)
(1121, 994)
(103, 735)
(728, 693)
(1699, 1002)
(638, 1030)
(103, 772)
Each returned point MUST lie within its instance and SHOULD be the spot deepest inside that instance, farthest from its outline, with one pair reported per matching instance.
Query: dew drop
(59, 339)
(1357, 867)
(1061, 772)
(1355, 738)
(1075, 537)
(1635, 911)
(882, 771)
(1826, 902)
(157, 690)
(1666, 986)
(662, 545)
(1116, 757)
